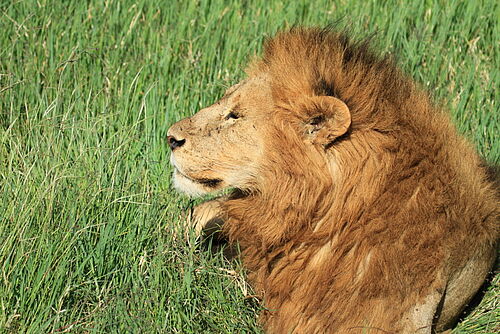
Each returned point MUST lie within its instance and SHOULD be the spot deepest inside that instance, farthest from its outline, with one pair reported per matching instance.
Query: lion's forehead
(252, 95)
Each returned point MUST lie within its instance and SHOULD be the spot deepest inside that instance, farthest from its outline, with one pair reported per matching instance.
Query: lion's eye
(232, 115)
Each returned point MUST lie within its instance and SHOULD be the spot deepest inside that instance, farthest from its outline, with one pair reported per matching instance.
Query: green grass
(90, 237)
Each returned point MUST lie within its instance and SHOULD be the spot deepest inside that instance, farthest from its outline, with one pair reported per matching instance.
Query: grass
(90, 229)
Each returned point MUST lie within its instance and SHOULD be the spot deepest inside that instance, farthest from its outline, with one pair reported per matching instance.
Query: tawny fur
(388, 226)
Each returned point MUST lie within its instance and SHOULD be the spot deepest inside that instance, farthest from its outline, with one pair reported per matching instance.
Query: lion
(356, 205)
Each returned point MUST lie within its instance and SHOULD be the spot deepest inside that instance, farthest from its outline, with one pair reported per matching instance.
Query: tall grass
(90, 230)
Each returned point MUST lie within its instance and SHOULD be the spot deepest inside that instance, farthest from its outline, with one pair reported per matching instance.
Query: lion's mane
(400, 198)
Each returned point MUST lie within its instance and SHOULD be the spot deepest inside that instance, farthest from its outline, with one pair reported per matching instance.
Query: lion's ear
(326, 119)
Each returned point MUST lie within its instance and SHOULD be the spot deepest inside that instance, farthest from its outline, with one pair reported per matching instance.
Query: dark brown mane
(404, 195)
(325, 62)
(358, 209)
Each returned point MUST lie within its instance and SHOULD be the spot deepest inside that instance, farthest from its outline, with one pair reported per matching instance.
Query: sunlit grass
(89, 226)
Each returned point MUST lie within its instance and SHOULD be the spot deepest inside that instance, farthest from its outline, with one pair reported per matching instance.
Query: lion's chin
(195, 187)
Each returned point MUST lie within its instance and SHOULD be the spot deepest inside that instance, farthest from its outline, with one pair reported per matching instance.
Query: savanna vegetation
(91, 237)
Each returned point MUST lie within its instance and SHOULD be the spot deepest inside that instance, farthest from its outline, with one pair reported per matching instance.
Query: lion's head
(230, 143)
(314, 117)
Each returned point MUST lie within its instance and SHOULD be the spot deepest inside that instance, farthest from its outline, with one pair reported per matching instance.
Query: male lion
(356, 205)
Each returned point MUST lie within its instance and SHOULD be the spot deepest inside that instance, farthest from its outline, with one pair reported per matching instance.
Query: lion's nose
(174, 143)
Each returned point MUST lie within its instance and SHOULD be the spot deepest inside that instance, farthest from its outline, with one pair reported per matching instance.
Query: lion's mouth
(207, 184)
(210, 183)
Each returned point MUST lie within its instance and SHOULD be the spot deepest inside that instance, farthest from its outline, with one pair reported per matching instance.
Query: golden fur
(358, 207)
